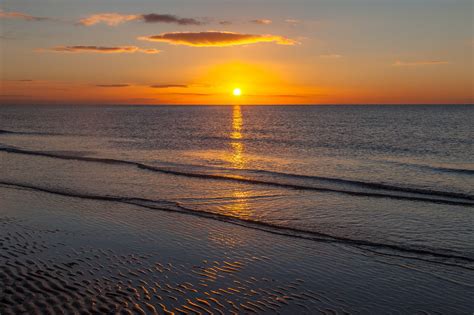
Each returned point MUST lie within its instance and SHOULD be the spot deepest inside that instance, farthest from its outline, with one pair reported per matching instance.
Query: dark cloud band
(168, 18)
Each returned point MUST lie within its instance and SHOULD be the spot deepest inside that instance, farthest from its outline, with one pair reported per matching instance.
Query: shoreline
(94, 256)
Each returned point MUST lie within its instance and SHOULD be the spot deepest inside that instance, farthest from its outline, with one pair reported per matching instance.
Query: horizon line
(295, 104)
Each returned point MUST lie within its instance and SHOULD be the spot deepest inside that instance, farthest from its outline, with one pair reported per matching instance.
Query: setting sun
(237, 92)
(230, 186)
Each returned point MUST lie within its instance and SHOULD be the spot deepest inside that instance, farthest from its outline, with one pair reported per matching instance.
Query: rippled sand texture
(62, 255)
(90, 279)
(97, 280)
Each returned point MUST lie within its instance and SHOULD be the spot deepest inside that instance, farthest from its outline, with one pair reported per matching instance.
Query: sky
(199, 51)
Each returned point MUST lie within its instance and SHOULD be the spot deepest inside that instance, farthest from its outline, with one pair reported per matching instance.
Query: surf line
(238, 179)
(259, 225)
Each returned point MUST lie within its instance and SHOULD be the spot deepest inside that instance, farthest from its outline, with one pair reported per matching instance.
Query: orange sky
(317, 53)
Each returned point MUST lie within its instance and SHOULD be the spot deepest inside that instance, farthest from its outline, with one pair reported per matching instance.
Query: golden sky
(198, 52)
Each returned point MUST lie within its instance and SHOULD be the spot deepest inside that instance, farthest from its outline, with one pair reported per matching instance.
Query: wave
(432, 255)
(405, 164)
(293, 142)
(450, 170)
(378, 190)
(331, 180)
(434, 168)
(377, 186)
(12, 132)
(9, 132)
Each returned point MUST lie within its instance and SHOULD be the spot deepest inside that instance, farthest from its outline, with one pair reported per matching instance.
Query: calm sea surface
(398, 180)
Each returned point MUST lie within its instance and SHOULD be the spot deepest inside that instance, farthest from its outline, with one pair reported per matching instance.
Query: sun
(237, 92)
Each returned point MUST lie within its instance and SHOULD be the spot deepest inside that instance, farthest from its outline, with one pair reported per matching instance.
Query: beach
(103, 212)
(75, 255)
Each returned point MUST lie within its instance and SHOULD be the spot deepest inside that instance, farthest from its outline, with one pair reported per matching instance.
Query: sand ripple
(91, 280)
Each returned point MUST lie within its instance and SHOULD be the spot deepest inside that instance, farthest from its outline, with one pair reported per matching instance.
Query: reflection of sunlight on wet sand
(228, 240)
(236, 144)
(238, 207)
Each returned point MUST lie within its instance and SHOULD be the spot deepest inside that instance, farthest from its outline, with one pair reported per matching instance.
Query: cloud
(216, 39)
(292, 21)
(262, 21)
(165, 86)
(149, 51)
(112, 85)
(14, 95)
(111, 19)
(21, 16)
(190, 94)
(331, 56)
(287, 95)
(101, 49)
(114, 19)
(168, 18)
(399, 63)
(224, 22)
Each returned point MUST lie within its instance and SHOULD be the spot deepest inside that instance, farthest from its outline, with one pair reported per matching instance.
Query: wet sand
(63, 255)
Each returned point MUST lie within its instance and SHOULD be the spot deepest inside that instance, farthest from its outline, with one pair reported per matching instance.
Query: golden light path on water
(236, 138)
(240, 207)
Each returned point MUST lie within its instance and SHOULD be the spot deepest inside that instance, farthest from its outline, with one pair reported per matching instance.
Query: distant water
(396, 180)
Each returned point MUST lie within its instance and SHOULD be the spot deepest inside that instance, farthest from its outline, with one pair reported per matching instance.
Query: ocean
(391, 179)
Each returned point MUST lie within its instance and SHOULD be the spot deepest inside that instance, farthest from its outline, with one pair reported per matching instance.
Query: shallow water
(393, 179)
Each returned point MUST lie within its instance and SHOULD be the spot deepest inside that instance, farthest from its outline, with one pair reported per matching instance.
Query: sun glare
(237, 92)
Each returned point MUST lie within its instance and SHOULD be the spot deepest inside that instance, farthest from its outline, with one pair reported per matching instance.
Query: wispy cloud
(111, 19)
(216, 39)
(292, 21)
(112, 85)
(399, 63)
(189, 94)
(286, 95)
(114, 19)
(21, 16)
(166, 86)
(225, 22)
(262, 21)
(3, 37)
(14, 95)
(331, 56)
(100, 49)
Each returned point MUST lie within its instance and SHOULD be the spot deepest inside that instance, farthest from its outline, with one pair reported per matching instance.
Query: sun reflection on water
(236, 137)
(240, 206)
